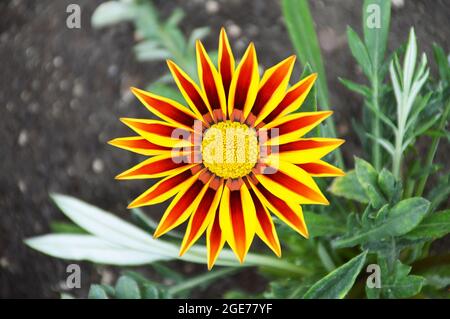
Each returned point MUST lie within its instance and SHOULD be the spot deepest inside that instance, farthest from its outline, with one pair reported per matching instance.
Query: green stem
(432, 150)
(199, 280)
(276, 264)
(376, 125)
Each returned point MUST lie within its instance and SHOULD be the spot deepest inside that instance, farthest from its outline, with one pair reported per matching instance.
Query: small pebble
(23, 138)
(212, 6)
(22, 186)
(57, 61)
(97, 166)
(234, 30)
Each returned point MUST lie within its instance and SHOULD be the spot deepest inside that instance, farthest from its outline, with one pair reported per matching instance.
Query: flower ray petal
(139, 145)
(226, 61)
(307, 150)
(321, 169)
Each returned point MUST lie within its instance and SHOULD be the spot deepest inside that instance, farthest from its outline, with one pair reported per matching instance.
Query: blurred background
(62, 92)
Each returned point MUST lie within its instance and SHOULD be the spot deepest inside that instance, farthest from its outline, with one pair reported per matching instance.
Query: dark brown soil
(62, 92)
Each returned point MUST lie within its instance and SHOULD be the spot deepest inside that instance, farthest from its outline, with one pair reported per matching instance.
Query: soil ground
(62, 92)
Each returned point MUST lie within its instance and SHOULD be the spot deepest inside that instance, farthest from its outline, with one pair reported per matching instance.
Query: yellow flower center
(230, 149)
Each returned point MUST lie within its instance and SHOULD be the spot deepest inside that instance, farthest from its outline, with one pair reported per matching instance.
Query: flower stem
(376, 125)
(432, 150)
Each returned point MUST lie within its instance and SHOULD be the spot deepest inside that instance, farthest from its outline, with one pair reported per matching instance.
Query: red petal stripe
(294, 185)
(180, 207)
(288, 99)
(164, 187)
(209, 84)
(305, 144)
(282, 207)
(190, 89)
(269, 87)
(243, 82)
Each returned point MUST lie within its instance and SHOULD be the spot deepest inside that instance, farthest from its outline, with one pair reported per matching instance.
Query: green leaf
(310, 103)
(403, 285)
(97, 292)
(67, 228)
(94, 249)
(368, 179)
(437, 276)
(337, 283)
(322, 225)
(175, 17)
(151, 292)
(359, 52)
(391, 188)
(112, 12)
(348, 187)
(300, 25)
(399, 220)
(357, 88)
(442, 63)
(127, 288)
(376, 35)
(436, 225)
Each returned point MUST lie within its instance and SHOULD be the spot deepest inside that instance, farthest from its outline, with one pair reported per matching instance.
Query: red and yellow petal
(226, 61)
(158, 166)
(160, 132)
(182, 205)
(237, 219)
(244, 84)
(272, 88)
(210, 80)
(167, 109)
(287, 180)
(265, 229)
(321, 169)
(307, 150)
(214, 239)
(203, 214)
(293, 99)
(165, 188)
(195, 98)
(289, 212)
(291, 127)
(139, 145)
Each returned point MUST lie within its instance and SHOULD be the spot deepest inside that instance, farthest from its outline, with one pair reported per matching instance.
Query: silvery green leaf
(359, 52)
(87, 247)
(198, 34)
(112, 12)
(176, 17)
(153, 55)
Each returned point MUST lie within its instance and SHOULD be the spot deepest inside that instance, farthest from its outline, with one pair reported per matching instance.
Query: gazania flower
(233, 157)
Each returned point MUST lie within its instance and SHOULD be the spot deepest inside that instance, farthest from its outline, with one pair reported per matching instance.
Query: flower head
(234, 156)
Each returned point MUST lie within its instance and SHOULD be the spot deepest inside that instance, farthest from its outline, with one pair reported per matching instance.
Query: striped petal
(244, 84)
(190, 91)
(226, 61)
(293, 98)
(167, 109)
(289, 212)
(158, 166)
(203, 214)
(214, 240)
(307, 150)
(165, 188)
(272, 88)
(289, 181)
(139, 145)
(265, 229)
(237, 219)
(210, 80)
(293, 126)
(159, 132)
(182, 205)
(321, 169)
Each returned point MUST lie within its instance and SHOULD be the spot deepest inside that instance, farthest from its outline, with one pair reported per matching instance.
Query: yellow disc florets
(230, 149)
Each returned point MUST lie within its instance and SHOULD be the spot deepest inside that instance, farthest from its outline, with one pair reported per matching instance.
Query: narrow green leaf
(127, 288)
(300, 25)
(357, 88)
(376, 20)
(337, 283)
(348, 187)
(359, 52)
